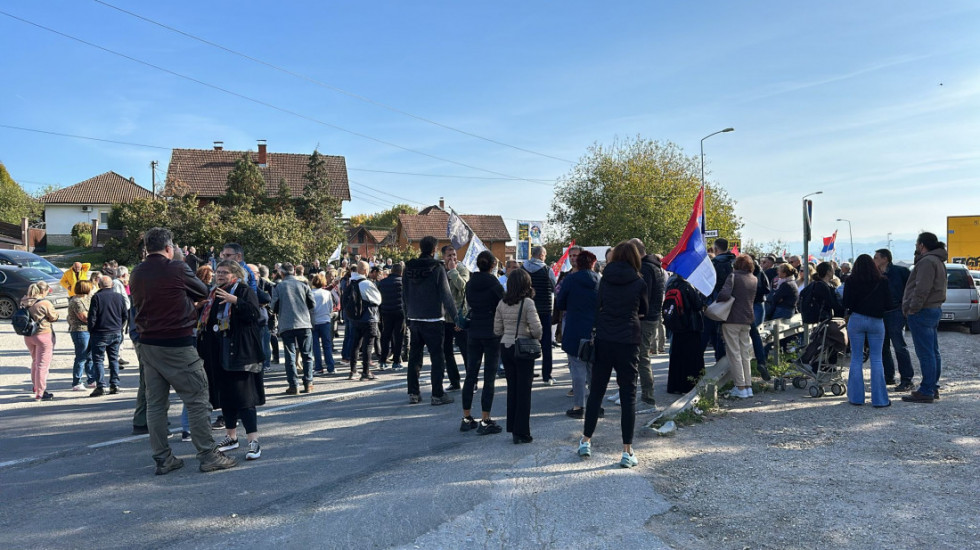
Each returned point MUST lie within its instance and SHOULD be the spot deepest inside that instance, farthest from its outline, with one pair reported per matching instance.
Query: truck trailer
(963, 240)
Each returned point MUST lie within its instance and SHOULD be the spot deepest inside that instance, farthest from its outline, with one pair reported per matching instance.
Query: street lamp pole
(806, 239)
(704, 209)
(849, 234)
(889, 241)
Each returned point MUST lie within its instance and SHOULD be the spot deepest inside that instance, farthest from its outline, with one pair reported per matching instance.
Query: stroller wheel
(799, 382)
(816, 391)
(837, 389)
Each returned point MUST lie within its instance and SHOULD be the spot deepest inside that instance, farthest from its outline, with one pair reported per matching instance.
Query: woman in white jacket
(516, 317)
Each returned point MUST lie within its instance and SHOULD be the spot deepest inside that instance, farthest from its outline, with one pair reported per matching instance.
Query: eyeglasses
(222, 272)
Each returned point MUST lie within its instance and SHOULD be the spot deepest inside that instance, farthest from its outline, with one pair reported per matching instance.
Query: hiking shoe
(227, 444)
(185, 437)
(468, 424)
(254, 450)
(628, 460)
(291, 390)
(307, 388)
(219, 423)
(488, 427)
(916, 397)
(113, 389)
(217, 461)
(649, 400)
(98, 392)
(442, 400)
(414, 399)
(575, 413)
(171, 464)
(584, 448)
(903, 387)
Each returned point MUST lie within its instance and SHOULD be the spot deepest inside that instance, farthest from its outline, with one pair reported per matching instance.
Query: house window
(104, 217)
(360, 238)
(353, 250)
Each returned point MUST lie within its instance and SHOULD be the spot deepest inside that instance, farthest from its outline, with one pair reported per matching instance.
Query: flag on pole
(476, 246)
(735, 250)
(689, 258)
(336, 253)
(457, 231)
(560, 266)
(828, 245)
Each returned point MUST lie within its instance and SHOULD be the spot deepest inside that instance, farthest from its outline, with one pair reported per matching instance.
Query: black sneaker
(488, 427)
(140, 430)
(468, 424)
(575, 413)
(453, 387)
(47, 396)
(441, 400)
(97, 392)
(903, 387)
(113, 389)
(291, 390)
(219, 423)
(217, 461)
(171, 464)
(414, 399)
(227, 444)
(185, 437)
(123, 362)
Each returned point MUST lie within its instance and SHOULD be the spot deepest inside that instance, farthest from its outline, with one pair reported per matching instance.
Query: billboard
(529, 234)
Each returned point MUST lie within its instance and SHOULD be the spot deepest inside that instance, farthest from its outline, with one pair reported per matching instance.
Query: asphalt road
(351, 466)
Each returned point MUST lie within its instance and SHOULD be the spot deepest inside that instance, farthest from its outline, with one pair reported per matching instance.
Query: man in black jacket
(392, 317)
(427, 301)
(106, 316)
(897, 277)
(652, 323)
(543, 282)
(723, 263)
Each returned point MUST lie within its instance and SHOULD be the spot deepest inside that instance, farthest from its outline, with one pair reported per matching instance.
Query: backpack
(23, 323)
(351, 301)
(809, 308)
(674, 314)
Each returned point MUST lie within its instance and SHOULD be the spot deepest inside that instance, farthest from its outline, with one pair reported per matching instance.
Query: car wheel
(7, 307)
(975, 327)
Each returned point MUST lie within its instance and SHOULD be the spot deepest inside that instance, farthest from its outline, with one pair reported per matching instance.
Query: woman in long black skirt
(684, 317)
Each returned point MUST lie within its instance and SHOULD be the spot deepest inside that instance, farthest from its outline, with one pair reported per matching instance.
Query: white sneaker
(254, 450)
(748, 392)
(78, 387)
(738, 393)
(613, 397)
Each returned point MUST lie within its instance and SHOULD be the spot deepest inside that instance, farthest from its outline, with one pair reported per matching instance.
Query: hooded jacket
(577, 298)
(927, 284)
(653, 275)
(723, 263)
(543, 282)
(370, 296)
(426, 293)
(622, 302)
(483, 293)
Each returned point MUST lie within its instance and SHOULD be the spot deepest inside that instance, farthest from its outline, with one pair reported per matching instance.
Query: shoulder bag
(719, 311)
(525, 348)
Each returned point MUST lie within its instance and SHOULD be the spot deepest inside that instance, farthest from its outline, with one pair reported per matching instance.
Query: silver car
(962, 303)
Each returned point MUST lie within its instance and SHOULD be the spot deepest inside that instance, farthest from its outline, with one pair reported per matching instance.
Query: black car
(20, 258)
(13, 286)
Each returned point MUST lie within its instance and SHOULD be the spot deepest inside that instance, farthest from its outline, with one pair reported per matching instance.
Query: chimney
(219, 145)
(442, 204)
(132, 179)
(262, 156)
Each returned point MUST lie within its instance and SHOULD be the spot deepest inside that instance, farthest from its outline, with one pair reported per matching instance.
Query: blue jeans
(323, 346)
(102, 344)
(580, 371)
(894, 324)
(349, 337)
(301, 339)
(924, 326)
(859, 328)
(266, 335)
(83, 358)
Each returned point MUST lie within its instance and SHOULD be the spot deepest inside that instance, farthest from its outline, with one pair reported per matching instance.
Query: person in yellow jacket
(78, 272)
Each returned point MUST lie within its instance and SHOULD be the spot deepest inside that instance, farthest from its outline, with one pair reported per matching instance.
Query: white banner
(476, 246)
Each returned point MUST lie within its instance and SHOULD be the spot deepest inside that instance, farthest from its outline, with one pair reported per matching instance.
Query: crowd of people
(211, 327)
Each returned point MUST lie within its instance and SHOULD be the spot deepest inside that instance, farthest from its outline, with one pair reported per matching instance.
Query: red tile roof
(205, 171)
(379, 235)
(489, 228)
(108, 188)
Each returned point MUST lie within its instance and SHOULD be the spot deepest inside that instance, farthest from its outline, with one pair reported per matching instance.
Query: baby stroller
(821, 363)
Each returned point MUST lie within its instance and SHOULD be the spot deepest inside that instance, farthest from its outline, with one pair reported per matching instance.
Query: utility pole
(153, 176)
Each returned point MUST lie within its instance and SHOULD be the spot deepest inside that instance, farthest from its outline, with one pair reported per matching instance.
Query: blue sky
(839, 97)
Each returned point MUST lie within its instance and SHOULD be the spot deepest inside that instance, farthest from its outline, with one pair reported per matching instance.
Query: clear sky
(877, 104)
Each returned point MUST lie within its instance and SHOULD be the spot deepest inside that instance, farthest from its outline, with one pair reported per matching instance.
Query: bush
(83, 240)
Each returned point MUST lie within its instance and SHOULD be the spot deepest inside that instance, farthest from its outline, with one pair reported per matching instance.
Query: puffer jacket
(622, 302)
(507, 326)
(926, 287)
(577, 298)
(742, 289)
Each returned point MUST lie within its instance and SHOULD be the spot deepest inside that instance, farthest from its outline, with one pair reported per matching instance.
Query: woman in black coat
(622, 303)
(483, 293)
(684, 316)
(230, 343)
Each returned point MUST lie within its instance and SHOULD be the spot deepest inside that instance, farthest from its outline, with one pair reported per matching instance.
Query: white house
(86, 201)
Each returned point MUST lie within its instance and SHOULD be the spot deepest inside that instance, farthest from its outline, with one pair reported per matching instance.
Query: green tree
(398, 253)
(383, 219)
(15, 204)
(246, 186)
(268, 237)
(283, 201)
(759, 250)
(190, 224)
(636, 188)
(319, 209)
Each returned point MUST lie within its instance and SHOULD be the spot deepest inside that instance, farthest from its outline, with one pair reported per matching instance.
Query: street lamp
(704, 209)
(889, 241)
(850, 234)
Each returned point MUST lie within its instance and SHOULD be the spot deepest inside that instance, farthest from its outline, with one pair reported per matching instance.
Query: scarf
(224, 315)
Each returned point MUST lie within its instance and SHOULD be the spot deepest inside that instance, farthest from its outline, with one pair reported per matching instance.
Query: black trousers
(392, 330)
(449, 352)
(518, 373)
(364, 339)
(430, 335)
(545, 345)
(487, 352)
(624, 359)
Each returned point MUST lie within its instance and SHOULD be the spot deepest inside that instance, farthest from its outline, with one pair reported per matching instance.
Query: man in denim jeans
(106, 315)
(922, 304)
(897, 277)
(292, 300)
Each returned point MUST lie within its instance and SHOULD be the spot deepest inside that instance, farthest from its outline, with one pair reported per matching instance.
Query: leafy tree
(246, 186)
(636, 188)
(283, 201)
(383, 219)
(15, 204)
(759, 250)
(267, 237)
(319, 209)
(190, 224)
(398, 253)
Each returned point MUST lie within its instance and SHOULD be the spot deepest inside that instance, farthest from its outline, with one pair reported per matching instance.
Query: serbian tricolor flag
(560, 266)
(689, 258)
(828, 245)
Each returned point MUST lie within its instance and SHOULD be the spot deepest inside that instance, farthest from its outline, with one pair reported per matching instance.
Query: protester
(392, 318)
(623, 303)
(322, 325)
(292, 301)
(78, 272)
(516, 317)
(543, 281)
(827, 302)
(192, 260)
(897, 277)
(428, 301)
(866, 297)
(577, 298)
(231, 347)
(684, 316)
(741, 287)
(270, 336)
(509, 267)
(786, 294)
(458, 276)
(78, 307)
(652, 323)
(922, 303)
(366, 325)
(483, 294)
(758, 316)
(106, 315)
(164, 292)
(722, 262)
(235, 252)
(40, 344)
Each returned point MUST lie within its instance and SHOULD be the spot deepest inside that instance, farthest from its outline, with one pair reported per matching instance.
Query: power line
(82, 137)
(329, 86)
(445, 175)
(259, 101)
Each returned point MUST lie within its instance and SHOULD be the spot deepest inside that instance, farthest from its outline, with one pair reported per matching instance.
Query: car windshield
(35, 262)
(958, 279)
(30, 274)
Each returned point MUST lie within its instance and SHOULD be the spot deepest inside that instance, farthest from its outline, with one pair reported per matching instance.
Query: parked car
(976, 277)
(13, 286)
(20, 258)
(962, 298)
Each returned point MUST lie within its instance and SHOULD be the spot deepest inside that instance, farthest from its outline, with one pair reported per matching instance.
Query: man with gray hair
(543, 282)
(292, 301)
(106, 315)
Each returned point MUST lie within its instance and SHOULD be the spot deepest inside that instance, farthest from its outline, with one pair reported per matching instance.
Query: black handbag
(586, 346)
(525, 348)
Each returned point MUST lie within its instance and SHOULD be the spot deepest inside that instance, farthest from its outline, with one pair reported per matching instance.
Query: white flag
(476, 246)
(336, 253)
